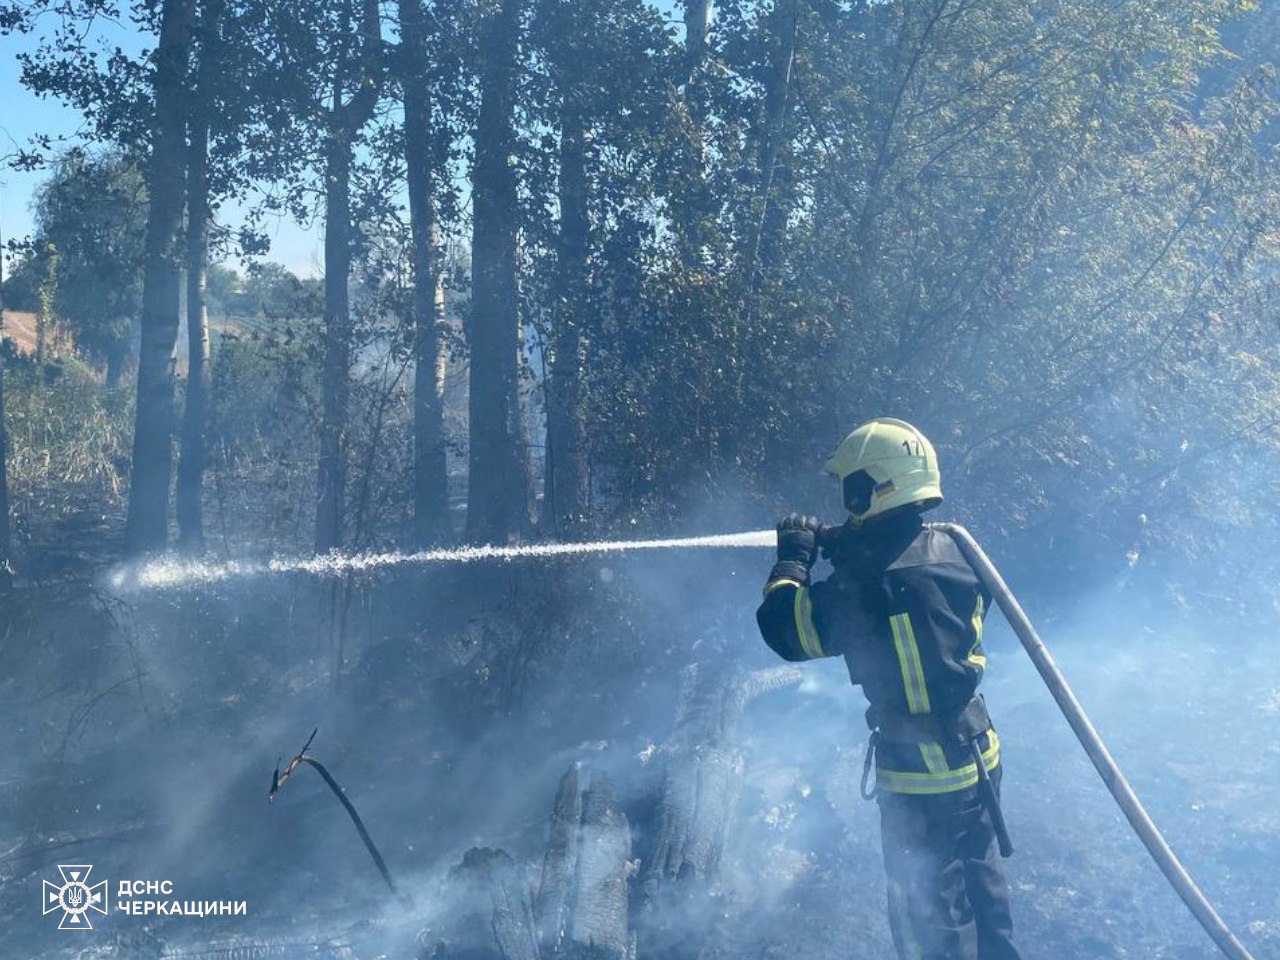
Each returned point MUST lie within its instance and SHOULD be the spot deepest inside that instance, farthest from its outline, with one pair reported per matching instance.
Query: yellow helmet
(883, 465)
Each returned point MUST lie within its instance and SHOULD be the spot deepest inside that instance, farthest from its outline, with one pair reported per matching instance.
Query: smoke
(452, 698)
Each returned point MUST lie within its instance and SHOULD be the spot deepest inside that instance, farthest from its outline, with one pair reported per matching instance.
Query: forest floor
(142, 731)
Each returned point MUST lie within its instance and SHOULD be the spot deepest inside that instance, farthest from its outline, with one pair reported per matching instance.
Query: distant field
(20, 327)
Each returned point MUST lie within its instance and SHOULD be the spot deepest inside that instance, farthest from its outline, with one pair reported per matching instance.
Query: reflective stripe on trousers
(938, 778)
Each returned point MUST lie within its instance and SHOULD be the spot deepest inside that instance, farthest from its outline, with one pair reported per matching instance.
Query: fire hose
(1103, 762)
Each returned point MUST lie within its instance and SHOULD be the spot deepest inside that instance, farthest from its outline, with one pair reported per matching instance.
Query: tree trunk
(44, 305)
(195, 413)
(497, 504)
(565, 480)
(191, 460)
(335, 371)
(117, 353)
(770, 215)
(6, 538)
(345, 121)
(697, 21)
(148, 518)
(694, 202)
(46, 309)
(431, 523)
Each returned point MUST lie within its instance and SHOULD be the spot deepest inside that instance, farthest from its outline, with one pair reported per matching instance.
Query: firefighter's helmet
(883, 465)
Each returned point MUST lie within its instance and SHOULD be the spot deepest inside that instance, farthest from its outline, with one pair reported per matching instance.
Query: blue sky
(22, 115)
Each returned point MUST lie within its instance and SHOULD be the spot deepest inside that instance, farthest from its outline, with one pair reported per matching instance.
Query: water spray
(175, 572)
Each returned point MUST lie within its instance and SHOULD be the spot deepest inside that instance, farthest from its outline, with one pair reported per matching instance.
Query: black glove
(838, 543)
(797, 548)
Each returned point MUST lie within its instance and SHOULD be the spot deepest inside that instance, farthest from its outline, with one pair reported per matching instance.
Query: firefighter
(905, 610)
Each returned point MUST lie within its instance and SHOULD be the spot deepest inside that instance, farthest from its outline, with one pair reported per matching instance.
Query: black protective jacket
(905, 610)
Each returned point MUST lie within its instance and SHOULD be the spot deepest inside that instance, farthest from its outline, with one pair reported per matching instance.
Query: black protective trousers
(948, 899)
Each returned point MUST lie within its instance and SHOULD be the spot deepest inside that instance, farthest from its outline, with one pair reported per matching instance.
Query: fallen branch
(278, 780)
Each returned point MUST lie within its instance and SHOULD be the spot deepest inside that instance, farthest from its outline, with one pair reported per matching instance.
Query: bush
(68, 438)
(262, 449)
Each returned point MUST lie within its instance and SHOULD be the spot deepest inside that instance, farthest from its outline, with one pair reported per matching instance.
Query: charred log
(702, 782)
(582, 905)
(489, 917)
(701, 787)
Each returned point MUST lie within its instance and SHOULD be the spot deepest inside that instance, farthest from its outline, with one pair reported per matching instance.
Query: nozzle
(826, 535)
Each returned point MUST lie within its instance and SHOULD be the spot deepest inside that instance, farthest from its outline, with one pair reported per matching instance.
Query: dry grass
(67, 436)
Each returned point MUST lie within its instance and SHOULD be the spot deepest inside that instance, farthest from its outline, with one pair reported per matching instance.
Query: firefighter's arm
(792, 610)
(790, 614)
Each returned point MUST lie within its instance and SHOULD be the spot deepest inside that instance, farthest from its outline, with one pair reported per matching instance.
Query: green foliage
(1046, 231)
(22, 280)
(268, 295)
(266, 410)
(1043, 231)
(1004, 222)
(92, 211)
